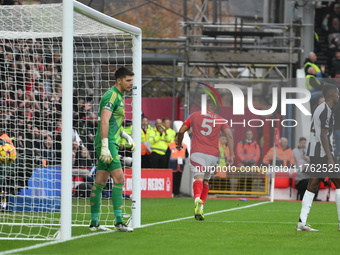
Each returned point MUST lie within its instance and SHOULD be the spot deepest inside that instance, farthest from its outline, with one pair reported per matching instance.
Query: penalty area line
(40, 245)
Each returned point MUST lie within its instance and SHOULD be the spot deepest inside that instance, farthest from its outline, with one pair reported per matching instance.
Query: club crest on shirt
(108, 106)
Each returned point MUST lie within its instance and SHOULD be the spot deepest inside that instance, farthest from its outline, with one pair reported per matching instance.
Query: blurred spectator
(284, 155)
(88, 133)
(48, 152)
(82, 158)
(302, 177)
(311, 62)
(74, 160)
(86, 109)
(333, 28)
(176, 163)
(76, 138)
(314, 85)
(159, 140)
(220, 176)
(29, 102)
(222, 146)
(145, 143)
(37, 144)
(125, 147)
(336, 62)
(75, 146)
(248, 154)
(170, 133)
(332, 13)
(167, 127)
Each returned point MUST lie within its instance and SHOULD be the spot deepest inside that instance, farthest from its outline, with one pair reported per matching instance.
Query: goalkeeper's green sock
(117, 201)
(95, 199)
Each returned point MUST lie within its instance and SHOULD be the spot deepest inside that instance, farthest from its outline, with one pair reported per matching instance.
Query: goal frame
(69, 7)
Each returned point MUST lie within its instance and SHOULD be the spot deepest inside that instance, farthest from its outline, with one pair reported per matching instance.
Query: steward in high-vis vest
(127, 128)
(222, 157)
(285, 156)
(159, 140)
(248, 154)
(312, 81)
(176, 163)
(311, 62)
(170, 132)
(146, 130)
(219, 180)
(167, 126)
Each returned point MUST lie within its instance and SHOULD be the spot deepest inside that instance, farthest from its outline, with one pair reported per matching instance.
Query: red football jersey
(206, 132)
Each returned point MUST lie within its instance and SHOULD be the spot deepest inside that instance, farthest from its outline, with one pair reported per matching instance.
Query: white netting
(30, 111)
(45, 21)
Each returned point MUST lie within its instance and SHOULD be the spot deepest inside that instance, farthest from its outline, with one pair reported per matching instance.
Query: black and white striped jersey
(322, 118)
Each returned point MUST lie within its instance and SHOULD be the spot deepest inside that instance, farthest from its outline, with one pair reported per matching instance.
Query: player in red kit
(204, 150)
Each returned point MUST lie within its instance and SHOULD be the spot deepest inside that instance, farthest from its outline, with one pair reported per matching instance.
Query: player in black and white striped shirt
(321, 153)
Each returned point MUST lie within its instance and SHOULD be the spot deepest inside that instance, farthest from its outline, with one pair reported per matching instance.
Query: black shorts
(319, 168)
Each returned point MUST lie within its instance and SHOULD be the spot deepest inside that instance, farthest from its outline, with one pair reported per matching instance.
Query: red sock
(205, 191)
(198, 187)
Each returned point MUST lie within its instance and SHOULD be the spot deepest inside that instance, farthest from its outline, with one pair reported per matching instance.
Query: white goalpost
(56, 61)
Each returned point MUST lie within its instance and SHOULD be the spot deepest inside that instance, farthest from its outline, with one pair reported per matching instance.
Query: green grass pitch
(268, 228)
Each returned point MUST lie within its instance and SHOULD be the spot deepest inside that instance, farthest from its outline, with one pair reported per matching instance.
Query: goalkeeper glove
(129, 140)
(105, 154)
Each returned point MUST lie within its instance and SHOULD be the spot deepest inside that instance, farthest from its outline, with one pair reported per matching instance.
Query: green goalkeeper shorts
(115, 163)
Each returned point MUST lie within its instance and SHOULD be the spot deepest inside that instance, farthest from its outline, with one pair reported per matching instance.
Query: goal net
(32, 110)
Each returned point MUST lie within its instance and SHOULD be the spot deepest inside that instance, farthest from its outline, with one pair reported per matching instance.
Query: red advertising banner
(154, 182)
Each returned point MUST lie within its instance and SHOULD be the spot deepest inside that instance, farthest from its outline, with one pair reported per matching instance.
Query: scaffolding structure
(220, 46)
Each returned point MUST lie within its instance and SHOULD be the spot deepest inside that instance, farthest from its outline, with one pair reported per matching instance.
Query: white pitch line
(40, 245)
(211, 213)
(267, 222)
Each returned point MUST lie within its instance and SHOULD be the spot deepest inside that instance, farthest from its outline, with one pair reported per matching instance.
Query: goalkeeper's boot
(198, 210)
(304, 227)
(99, 227)
(123, 228)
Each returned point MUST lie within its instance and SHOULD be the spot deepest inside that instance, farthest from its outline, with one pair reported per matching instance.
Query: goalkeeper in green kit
(109, 132)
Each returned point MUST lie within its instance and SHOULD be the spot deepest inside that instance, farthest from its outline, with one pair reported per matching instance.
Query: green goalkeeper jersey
(112, 100)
